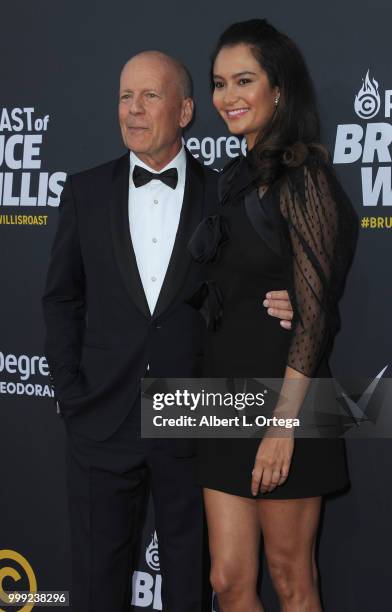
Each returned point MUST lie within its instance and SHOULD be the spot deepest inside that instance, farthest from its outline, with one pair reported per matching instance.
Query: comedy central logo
(152, 553)
(147, 587)
(14, 568)
(368, 142)
(367, 101)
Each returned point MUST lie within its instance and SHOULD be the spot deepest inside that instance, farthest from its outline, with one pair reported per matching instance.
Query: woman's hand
(272, 462)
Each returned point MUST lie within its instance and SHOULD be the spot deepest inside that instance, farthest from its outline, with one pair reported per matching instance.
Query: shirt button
(153, 278)
(155, 201)
(154, 240)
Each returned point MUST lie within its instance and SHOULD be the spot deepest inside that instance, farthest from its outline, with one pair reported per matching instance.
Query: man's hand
(279, 305)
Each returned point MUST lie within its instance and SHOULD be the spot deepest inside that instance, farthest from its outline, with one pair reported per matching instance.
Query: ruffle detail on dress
(236, 180)
(208, 300)
(208, 238)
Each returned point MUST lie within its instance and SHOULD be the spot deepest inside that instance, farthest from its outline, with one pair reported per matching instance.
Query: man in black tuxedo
(115, 312)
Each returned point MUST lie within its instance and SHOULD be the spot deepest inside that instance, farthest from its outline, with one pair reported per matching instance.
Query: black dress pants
(108, 487)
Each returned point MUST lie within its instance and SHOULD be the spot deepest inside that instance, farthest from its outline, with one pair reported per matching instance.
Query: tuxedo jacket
(100, 334)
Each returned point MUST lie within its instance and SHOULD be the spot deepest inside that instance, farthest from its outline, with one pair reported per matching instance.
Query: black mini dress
(296, 237)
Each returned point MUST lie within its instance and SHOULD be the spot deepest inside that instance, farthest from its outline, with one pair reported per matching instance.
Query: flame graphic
(367, 100)
(152, 553)
(369, 86)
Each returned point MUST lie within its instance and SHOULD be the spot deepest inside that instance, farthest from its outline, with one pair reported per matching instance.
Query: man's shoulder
(98, 173)
(208, 173)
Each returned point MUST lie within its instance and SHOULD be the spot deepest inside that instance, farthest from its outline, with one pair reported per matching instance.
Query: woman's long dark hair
(295, 124)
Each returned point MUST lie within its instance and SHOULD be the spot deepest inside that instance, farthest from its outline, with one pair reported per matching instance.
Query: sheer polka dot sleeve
(322, 233)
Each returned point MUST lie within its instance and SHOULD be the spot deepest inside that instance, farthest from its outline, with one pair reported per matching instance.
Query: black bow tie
(141, 177)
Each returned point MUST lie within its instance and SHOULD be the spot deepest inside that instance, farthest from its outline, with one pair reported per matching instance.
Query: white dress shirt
(154, 215)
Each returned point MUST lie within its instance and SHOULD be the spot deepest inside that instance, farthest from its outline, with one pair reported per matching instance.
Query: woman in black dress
(284, 221)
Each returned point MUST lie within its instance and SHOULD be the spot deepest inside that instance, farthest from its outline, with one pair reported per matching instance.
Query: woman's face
(242, 93)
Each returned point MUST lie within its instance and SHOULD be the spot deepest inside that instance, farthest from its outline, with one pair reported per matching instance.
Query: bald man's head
(155, 105)
(179, 71)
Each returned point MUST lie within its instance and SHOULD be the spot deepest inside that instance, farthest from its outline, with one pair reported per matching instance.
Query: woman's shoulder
(312, 169)
(313, 184)
(309, 158)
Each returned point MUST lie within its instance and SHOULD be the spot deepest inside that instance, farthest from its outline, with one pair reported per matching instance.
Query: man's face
(152, 109)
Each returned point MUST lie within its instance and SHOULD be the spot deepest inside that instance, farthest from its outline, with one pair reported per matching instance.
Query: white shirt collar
(179, 162)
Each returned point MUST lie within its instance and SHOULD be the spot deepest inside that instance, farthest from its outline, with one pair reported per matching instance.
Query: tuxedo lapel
(121, 236)
(191, 214)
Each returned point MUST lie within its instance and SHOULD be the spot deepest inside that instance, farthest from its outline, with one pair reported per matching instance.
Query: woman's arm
(322, 228)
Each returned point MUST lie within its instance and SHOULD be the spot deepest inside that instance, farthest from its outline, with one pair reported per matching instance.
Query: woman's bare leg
(234, 537)
(289, 529)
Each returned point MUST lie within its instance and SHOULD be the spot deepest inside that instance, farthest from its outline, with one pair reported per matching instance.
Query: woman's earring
(277, 100)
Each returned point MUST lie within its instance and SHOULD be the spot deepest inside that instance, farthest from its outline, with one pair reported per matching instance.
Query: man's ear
(186, 112)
